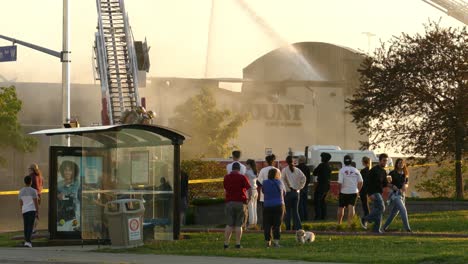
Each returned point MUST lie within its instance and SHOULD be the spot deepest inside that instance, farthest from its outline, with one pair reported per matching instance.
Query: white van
(337, 156)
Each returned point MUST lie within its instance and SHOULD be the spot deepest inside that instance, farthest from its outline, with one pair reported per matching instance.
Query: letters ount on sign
(274, 114)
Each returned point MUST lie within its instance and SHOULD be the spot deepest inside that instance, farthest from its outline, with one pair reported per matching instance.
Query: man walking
(236, 186)
(236, 154)
(377, 182)
(349, 184)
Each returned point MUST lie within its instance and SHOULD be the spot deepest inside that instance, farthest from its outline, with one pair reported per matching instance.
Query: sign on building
(8, 53)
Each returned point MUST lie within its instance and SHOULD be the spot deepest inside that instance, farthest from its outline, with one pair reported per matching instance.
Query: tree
(414, 95)
(210, 129)
(11, 134)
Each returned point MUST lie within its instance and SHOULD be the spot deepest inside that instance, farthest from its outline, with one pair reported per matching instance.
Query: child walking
(29, 207)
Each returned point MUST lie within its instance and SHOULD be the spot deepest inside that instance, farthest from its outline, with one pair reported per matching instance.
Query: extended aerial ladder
(457, 9)
(118, 58)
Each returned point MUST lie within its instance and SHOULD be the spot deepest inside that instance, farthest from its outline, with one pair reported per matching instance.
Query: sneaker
(363, 223)
(238, 246)
(378, 231)
(276, 245)
(226, 246)
(28, 244)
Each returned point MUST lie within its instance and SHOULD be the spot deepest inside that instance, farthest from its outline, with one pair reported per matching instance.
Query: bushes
(197, 170)
(442, 185)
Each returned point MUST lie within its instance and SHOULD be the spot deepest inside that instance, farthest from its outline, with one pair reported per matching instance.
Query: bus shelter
(91, 166)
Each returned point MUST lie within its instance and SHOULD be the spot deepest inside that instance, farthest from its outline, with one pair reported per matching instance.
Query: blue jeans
(376, 213)
(292, 205)
(272, 217)
(303, 204)
(320, 205)
(398, 206)
(28, 221)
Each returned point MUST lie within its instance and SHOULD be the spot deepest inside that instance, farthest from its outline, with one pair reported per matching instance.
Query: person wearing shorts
(349, 184)
(236, 186)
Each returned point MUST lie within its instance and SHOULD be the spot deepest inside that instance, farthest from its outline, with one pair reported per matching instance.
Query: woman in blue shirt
(273, 207)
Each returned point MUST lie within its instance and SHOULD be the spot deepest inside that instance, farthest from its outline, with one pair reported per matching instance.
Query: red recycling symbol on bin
(134, 224)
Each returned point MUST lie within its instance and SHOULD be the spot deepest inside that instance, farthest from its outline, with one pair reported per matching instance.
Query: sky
(180, 31)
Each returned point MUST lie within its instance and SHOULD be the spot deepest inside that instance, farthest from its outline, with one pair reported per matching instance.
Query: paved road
(79, 255)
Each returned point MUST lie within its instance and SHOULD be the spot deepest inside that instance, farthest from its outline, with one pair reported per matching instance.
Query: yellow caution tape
(17, 192)
(211, 180)
(206, 180)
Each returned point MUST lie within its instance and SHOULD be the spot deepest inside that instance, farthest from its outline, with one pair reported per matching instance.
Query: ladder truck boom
(457, 9)
(117, 62)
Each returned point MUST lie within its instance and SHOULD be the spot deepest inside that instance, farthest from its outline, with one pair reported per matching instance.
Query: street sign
(7, 53)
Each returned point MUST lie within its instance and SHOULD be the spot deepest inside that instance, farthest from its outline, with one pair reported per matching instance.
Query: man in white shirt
(349, 184)
(236, 154)
(263, 174)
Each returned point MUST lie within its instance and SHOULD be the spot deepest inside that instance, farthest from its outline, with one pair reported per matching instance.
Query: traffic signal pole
(64, 56)
(65, 59)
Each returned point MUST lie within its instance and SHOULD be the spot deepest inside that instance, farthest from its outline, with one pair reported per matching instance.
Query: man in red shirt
(236, 187)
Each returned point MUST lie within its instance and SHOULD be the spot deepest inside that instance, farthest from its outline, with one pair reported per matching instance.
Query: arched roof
(306, 61)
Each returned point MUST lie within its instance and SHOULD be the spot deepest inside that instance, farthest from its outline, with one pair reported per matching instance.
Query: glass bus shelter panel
(161, 200)
(97, 189)
(146, 173)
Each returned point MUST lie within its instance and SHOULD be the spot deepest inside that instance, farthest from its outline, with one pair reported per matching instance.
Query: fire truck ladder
(115, 57)
(457, 9)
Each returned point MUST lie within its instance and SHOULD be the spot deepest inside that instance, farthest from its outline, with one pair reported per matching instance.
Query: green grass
(438, 222)
(333, 248)
(326, 248)
(6, 241)
(330, 248)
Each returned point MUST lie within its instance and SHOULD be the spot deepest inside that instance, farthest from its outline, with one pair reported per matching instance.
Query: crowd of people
(282, 194)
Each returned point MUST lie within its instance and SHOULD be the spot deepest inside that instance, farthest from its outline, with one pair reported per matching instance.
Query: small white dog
(304, 236)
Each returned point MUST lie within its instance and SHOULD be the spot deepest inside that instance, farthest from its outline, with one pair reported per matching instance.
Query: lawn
(326, 248)
(333, 248)
(443, 222)
(330, 248)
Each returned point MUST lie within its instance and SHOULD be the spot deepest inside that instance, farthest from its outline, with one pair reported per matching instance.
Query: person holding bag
(397, 196)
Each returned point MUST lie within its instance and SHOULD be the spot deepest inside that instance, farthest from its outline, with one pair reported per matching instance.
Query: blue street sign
(8, 53)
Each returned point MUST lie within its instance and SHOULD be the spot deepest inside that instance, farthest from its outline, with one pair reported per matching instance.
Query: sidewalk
(80, 255)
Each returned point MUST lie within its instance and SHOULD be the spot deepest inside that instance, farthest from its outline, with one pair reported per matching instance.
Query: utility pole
(369, 36)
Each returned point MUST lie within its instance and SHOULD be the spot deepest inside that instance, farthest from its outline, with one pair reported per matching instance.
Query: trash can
(125, 222)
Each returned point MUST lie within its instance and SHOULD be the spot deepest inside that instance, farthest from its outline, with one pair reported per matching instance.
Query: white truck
(312, 154)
